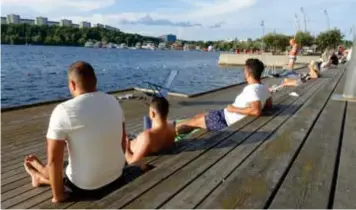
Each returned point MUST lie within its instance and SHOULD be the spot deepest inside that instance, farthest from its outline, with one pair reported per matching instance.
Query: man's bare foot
(34, 177)
(35, 163)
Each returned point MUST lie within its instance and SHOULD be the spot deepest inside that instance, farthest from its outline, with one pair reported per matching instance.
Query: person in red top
(292, 54)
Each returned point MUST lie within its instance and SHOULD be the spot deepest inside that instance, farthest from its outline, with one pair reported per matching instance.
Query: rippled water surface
(32, 74)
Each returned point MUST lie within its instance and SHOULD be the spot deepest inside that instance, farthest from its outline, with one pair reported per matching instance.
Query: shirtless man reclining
(160, 137)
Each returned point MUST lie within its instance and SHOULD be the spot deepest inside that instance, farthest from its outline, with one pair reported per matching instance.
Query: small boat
(89, 44)
(148, 46)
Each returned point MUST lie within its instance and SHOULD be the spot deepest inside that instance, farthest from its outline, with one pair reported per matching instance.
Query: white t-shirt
(251, 93)
(91, 124)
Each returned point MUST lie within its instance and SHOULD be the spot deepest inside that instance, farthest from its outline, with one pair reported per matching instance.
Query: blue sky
(194, 19)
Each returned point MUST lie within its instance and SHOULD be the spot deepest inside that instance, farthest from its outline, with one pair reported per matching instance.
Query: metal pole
(263, 34)
(305, 20)
(297, 23)
(349, 93)
(327, 19)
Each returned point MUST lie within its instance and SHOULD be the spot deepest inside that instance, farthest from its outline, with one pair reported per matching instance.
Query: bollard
(349, 93)
(350, 85)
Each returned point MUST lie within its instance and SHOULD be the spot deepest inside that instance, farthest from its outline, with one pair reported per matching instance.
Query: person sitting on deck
(161, 136)
(91, 125)
(312, 74)
(251, 101)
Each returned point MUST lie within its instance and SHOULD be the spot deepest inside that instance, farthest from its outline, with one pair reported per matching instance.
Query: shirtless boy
(160, 137)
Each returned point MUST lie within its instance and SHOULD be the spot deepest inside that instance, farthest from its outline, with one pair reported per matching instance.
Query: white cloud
(47, 6)
(217, 8)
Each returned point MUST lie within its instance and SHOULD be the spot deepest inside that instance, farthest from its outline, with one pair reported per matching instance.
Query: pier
(267, 58)
(300, 154)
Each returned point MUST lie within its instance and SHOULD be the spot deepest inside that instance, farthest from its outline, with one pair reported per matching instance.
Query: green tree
(48, 40)
(347, 44)
(37, 39)
(304, 38)
(329, 39)
(276, 42)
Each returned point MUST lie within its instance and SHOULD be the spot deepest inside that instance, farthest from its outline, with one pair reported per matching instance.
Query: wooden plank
(138, 121)
(263, 127)
(345, 192)
(36, 199)
(196, 191)
(168, 165)
(253, 182)
(20, 180)
(24, 196)
(26, 187)
(308, 183)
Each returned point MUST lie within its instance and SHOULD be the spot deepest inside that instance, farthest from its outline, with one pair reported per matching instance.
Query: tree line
(69, 36)
(274, 42)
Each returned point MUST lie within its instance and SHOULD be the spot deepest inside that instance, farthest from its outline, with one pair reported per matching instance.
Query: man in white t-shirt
(91, 125)
(253, 99)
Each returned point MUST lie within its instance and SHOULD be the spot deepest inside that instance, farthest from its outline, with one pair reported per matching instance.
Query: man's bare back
(154, 140)
(161, 136)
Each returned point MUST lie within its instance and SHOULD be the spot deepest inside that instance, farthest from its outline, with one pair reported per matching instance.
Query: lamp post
(327, 19)
(305, 20)
(263, 34)
(297, 24)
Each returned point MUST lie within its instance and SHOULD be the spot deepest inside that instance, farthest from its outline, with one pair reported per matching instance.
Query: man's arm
(57, 133)
(124, 137)
(55, 150)
(253, 110)
(140, 149)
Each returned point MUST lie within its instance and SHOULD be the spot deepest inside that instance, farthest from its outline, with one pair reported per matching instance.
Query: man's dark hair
(84, 74)
(161, 105)
(255, 67)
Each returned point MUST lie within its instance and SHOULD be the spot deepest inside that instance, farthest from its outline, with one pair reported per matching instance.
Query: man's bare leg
(37, 171)
(198, 121)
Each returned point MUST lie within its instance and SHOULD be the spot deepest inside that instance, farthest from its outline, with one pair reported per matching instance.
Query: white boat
(148, 46)
(89, 44)
(122, 46)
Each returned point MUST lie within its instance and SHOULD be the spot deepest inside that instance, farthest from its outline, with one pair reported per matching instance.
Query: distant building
(3, 20)
(110, 28)
(52, 23)
(65, 22)
(169, 38)
(99, 25)
(75, 25)
(13, 19)
(41, 21)
(84, 24)
(27, 21)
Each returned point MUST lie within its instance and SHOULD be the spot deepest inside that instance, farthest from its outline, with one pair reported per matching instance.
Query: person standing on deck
(292, 54)
(91, 125)
(254, 98)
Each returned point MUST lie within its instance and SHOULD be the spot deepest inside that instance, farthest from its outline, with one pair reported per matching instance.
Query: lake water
(32, 74)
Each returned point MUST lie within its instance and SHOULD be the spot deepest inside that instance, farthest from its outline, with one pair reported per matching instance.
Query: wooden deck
(301, 154)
